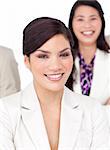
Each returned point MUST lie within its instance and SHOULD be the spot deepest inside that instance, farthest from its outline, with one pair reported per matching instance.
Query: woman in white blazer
(47, 115)
(92, 61)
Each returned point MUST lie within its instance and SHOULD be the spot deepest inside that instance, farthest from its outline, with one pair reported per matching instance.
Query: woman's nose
(87, 24)
(55, 64)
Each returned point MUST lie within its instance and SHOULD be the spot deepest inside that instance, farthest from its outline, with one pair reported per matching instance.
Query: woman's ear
(27, 61)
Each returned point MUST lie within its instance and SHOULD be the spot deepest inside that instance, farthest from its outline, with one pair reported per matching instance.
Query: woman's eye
(65, 54)
(42, 56)
(80, 19)
(93, 18)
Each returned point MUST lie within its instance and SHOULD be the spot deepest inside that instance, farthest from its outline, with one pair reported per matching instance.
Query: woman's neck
(47, 97)
(50, 103)
(87, 52)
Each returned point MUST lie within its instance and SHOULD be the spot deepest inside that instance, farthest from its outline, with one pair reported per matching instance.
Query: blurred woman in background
(92, 61)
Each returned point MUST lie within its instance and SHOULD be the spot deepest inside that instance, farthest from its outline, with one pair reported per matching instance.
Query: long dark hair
(40, 30)
(101, 42)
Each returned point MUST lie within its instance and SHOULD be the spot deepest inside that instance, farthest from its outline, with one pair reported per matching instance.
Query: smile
(54, 77)
(87, 32)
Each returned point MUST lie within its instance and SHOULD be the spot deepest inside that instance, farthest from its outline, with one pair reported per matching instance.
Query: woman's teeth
(55, 76)
(87, 32)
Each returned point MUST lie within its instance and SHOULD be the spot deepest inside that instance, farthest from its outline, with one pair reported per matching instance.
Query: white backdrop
(16, 14)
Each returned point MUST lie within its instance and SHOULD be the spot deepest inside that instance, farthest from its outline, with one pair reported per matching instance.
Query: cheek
(69, 65)
(76, 29)
(99, 27)
(74, 26)
(37, 68)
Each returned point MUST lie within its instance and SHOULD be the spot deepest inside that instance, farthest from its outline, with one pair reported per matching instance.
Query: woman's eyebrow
(43, 51)
(95, 15)
(68, 48)
(78, 16)
(81, 16)
(48, 52)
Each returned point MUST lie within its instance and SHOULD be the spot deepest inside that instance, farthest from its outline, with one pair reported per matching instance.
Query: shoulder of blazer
(102, 59)
(85, 103)
(12, 101)
(102, 55)
(90, 108)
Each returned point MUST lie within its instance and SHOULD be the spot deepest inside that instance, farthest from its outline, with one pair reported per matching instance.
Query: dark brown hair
(101, 42)
(40, 30)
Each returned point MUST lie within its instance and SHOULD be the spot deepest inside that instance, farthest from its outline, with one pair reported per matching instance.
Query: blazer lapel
(71, 118)
(99, 69)
(77, 87)
(33, 120)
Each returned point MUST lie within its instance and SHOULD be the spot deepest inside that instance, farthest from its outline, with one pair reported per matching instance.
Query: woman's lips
(54, 77)
(87, 33)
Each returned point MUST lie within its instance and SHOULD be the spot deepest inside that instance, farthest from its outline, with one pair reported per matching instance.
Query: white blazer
(82, 127)
(100, 89)
(9, 74)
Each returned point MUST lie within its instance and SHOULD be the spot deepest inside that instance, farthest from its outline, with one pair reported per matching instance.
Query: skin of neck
(47, 97)
(87, 51)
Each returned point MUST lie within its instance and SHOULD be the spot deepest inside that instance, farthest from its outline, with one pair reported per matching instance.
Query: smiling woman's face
(86, 24)
(51, 64)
